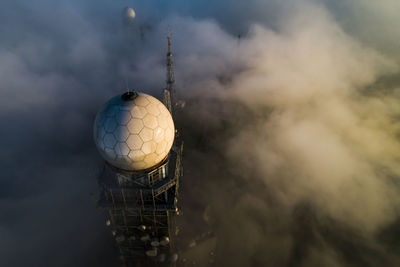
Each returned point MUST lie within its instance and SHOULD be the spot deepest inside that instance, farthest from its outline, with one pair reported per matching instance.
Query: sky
(291, 131)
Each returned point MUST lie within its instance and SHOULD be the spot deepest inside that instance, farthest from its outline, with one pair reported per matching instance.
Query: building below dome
(141, 210)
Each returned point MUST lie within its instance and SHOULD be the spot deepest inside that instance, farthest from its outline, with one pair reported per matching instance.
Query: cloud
(320, 133)
(372, 22)
(301, 109)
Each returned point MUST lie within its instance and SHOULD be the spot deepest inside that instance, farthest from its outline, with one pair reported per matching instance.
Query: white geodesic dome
(134, 133)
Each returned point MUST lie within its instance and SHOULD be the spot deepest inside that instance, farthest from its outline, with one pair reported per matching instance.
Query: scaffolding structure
(141, 210)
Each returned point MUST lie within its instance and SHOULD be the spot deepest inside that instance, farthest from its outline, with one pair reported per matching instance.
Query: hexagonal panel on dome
(136, 155)
(162, 122)
(111, 111)
(138, 112)
(135, 126)
(149, 147)
(109, 140)
(152, 108)
(121, 134)
(122, 149)
(134, 133)
(123, 117)
(110, 124)
(158, 135)
(150, 121)
(161, 147)
(146, 134)
(150, 158)
(142, 101)
(134, 142)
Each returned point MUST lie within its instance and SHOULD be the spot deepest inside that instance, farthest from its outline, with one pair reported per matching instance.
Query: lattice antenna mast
(170, 89)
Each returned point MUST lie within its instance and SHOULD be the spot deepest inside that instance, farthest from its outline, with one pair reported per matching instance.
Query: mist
(291, 131)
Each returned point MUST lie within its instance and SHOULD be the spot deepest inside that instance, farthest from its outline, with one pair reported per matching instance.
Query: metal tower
(170, 99)
(142, 206)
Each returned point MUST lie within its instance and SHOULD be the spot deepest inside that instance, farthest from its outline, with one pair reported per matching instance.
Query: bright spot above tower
(128, 14)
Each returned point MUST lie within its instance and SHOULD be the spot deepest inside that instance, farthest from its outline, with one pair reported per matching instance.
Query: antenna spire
(170, 92)
(126, 85)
